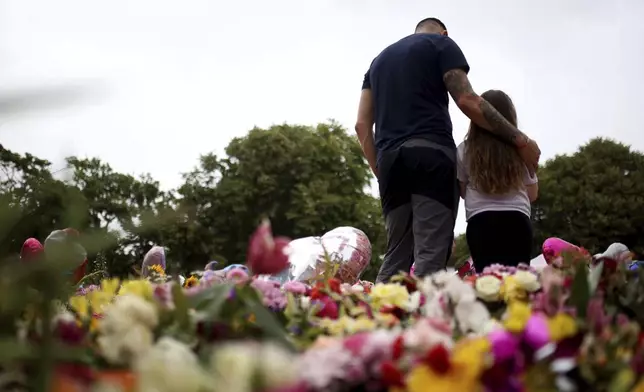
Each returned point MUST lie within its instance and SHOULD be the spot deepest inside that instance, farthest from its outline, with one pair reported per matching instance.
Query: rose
(488, 288)
(266, 254)
(527, 281)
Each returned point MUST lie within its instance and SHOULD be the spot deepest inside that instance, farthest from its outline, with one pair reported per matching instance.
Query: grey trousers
(419, 195)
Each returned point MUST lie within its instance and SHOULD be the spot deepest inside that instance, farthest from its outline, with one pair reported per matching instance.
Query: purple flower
(86, 290)
(272, 296)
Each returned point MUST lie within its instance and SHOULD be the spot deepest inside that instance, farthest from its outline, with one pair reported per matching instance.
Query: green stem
(46, 362)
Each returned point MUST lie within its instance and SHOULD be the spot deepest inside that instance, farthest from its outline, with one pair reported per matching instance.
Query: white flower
(471, 316)
(357, 288)
(169, 366)
(435, 307)
(459, 291)
(125, 347)
(137, 309)
(442, 278)
(423, 335)
(490, 326)
(233, 366)
(320, 367)
(305, 302)
(488, 288)
(126, 329)
(414, 301)
(276, 367)
(527, 281)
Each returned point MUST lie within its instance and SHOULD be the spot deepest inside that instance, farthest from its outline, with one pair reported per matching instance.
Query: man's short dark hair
(426, 21)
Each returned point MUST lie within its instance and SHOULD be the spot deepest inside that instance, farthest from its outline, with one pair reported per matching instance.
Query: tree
(123, 211)
(307, 180)
(33, 203)
(462, 251)
(593, 197)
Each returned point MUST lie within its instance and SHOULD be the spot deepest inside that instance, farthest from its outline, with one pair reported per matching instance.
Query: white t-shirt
(477, 202)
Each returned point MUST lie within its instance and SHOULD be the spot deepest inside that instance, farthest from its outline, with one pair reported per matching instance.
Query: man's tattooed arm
(479, 110)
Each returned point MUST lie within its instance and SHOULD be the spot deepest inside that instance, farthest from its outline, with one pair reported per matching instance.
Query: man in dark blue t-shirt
(413, 155)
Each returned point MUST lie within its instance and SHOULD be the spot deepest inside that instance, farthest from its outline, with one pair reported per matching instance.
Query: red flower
(393, 310)
(76, 371)
(317, 292)
(334, 285)
(69, 332)
(266, 254)
(391, 376)
(328, 308)
(398, 348)
(438, 359)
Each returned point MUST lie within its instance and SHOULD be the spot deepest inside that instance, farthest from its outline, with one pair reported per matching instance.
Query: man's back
(410, 98)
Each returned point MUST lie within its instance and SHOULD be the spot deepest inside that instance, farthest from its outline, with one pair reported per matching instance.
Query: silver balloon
(347, 246)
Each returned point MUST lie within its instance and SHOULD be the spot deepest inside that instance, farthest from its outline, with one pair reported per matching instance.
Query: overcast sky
(173, 79)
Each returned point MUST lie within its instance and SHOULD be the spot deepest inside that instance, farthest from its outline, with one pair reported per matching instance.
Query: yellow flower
(335, 327)
(361, 324)
(422, 378)
(190, 282)
(157, 269)
(561, 326)
(471, 355)
(512, 290)
(640, 386)
(141, 288)
(516, 316)
(392, 294)
(386, 320)
(468, 360)
(99, 299)
(109, 286)
(80, 305)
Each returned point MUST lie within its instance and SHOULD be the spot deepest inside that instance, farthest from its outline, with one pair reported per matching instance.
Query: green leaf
(13, 350)
(580, 291)
(622, 381)
(180, 306)
(265, 320)
(213, 304)
(291, 307)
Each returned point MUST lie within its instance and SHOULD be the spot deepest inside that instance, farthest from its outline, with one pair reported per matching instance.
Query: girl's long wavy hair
(494, 166)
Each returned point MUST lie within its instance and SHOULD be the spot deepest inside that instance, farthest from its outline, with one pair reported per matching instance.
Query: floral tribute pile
(570, 327)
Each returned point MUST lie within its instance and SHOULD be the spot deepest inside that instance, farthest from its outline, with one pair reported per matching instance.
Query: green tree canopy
(593, 197)
(307, 180)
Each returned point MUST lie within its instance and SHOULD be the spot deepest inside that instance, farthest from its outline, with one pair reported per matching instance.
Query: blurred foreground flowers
(566, 328)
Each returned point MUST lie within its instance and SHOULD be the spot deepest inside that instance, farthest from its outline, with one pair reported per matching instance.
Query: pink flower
(237, 275)
(266, 254)
(536, 334)
(31, 250)
(504, 345)
(294, 287)
(272, 296)
(355, 343)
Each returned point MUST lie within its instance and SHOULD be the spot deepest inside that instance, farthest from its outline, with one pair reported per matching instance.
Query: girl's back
(498, 190)
(477, 201)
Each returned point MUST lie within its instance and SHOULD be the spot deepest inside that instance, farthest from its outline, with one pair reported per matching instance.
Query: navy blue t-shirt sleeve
(451, 57)
(366, 82)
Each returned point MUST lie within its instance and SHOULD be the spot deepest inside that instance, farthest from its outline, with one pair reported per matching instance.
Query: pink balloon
(353, 249)
(552, 247)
